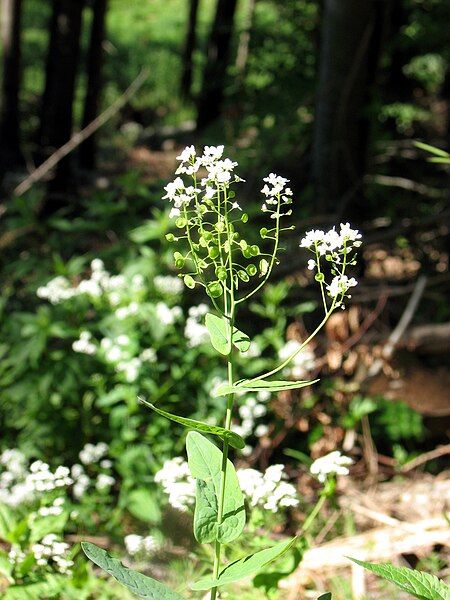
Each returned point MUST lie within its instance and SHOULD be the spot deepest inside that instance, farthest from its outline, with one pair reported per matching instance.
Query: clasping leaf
(232, 438)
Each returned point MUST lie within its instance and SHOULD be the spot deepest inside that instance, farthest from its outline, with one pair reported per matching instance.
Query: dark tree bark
(352, 31)
(10, 154)
(57, 105)
(210, 101)
(189, 47)
(88, 148)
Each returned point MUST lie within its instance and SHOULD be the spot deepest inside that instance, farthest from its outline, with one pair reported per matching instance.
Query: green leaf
(50, 588)
(255, 386)
(326, 596)
(232, 438)
(206, 511)
(218, 332)
(205, 463)
(7, 522)
(417, 583)
(240, 340)
(41, 526)
(139, 584)
(142, 504)
(245, 566)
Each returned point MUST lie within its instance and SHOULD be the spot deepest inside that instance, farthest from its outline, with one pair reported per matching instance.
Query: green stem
(313, 514)
(230, 314)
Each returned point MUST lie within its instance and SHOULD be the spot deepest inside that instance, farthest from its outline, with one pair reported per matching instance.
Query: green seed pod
(254, 250)
(170, 237)
(180, 222)
(221, 273)
(214, 289)
(189, 281)
(243, 244)
(251, 270)
(213, 252)
(320, 277)
(179, 260)
(244, 217)
(243, 275)
(263, 232)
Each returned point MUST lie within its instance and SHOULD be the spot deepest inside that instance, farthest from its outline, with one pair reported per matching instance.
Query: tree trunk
(209, 105)
(88, 148)
(57, 106)
(244, 39)
(10, 154)
(189, 47)
(351, 42)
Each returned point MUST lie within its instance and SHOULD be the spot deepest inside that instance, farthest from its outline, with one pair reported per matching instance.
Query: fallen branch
(80, 136)
(423, 458)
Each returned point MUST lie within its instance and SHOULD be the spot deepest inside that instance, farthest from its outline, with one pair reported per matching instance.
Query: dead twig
(80, 136)
(423, 458)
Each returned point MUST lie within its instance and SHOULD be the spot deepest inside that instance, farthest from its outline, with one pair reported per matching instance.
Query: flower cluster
(250, 411)
(52, 549)
(137, 545)
(194, 331)
(100, 283)
(177, 483)
(92, 456)
(20, 484)
(205, 209)
(267, 490)
(332, 464)
(337, 248)
(277, 194)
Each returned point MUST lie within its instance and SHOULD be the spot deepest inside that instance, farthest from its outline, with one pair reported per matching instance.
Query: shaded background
(330, 94)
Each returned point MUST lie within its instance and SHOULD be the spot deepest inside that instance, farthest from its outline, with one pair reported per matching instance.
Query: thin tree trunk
(57, 106)
(210, 101)
(189, 47)
(88, 148)
(351, 35)
(244, 38)
(11, 15)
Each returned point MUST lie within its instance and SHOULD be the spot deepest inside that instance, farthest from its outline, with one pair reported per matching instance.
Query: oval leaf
(206, 511)
(205, 463)
(417, 583)
(139, 584)
(240, 340)
(218, 332)
(245, 566)
(232, 438)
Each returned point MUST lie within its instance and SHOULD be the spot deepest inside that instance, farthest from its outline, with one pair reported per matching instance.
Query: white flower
(148, 355)
(332, 464)
(177, 483)
(92, 453)
(84, 344)
(167, 315)
(311, 264)
(104, 482)
(340, 285)
(133, 543)
(261, 430)
(187, 154)
(166, 284)
(268, 490)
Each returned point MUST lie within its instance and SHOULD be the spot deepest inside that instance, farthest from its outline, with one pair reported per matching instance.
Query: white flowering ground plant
(213, 254)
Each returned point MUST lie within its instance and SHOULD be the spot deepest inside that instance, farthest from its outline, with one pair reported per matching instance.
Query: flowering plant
(213, 254)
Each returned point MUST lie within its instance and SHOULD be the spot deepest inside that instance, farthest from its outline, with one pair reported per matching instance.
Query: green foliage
(245, 566)
(141, 585)
(420, 585)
